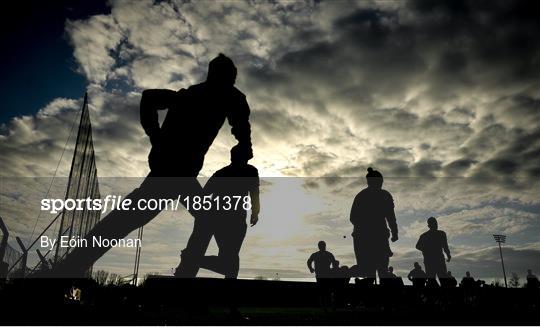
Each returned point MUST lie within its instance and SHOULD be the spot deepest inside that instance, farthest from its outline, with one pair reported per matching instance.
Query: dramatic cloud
(447, 92)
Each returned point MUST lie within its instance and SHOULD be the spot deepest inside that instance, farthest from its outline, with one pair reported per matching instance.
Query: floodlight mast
(501, 239)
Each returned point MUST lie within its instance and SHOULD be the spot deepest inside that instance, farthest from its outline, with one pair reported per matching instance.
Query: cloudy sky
(442, 97)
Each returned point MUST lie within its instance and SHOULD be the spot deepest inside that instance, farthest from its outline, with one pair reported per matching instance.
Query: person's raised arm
(446, 248)
(153, 100)
(241, 129)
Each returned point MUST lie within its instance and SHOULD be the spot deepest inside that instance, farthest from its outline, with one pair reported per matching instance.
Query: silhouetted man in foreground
(417, 276)
(324, 264)
(372, 215)
(179, 146)
(432, 244)
(226, 222)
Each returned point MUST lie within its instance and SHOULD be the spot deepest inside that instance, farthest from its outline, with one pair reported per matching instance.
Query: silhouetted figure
(227, 226)
(324, 264)
(373, 217)
(391, 279)
(532, 280)
(449, 281)
(417, 276)
(467, 281)
(432, 244)
(179, 146)
(391, 272)
(340, 273)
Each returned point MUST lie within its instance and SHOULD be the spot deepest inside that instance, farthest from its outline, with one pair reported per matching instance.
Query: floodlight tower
(501, 239)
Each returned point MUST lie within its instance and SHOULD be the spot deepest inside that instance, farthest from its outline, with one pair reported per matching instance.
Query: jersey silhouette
(373, 217)
(417, 276)
(432, 244)
(324, 262)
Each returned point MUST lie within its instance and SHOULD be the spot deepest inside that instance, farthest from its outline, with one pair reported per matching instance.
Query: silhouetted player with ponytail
(372, 215)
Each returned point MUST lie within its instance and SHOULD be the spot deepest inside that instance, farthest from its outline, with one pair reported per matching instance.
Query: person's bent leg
(382, 267)
(231, 250)
(116, 225)
(192, 257)
(229, 238)
(214, 263)
(431, 273)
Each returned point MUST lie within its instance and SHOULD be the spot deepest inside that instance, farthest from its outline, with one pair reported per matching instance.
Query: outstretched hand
(254, 220)
(449, 257)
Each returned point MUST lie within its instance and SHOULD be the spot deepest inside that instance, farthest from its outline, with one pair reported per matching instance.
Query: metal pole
(3, 243)
(24, 256)
(502, 262)
(137, 256)
(4, 266)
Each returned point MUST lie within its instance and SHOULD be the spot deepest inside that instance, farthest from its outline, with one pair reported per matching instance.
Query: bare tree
(101, 277)
(114, 279)
(514, 280)
(497, 283)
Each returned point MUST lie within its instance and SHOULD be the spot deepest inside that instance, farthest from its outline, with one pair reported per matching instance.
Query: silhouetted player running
(432, 244)
(179, 146)
(324, 262)
(225, 222)
(372, 214)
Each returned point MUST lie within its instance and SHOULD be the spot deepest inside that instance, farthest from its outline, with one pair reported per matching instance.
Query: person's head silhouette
(221, 71)
(449, 273)
(322, 245)
(468, 274)
(529, 271)
(390, 269)
(417, 266)
(432, 223)
(374, 178)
